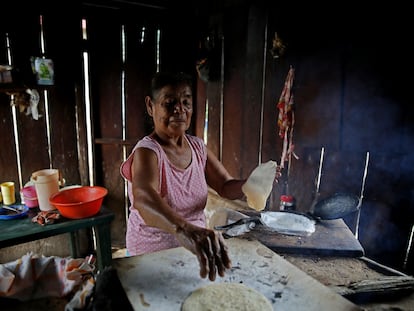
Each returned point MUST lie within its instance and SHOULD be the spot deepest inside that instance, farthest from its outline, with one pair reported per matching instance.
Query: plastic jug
(46, 182)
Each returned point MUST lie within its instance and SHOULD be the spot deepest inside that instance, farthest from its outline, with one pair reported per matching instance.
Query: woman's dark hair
(162, 79)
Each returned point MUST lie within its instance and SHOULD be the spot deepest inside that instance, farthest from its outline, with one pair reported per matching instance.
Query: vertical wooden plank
(200, 114)
(207, 114)
(234, 90)
(214, 125)
(8, 153)
(252, 105)
(106, 69)
(8, 171)
(178, 42)
(212, 90)
(139, 68)
(62, 100)
(141, 33)
(81, 100)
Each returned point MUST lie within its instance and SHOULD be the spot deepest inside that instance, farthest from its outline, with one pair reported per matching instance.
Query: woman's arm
(145, 183)
(206, 244)
(220, 179)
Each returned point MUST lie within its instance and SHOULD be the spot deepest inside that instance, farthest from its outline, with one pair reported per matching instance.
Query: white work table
(162, 280)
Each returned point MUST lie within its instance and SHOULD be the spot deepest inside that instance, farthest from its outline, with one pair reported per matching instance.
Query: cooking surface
(331, 237)
(162, 280)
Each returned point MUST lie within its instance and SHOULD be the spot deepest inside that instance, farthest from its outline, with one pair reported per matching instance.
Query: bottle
(287, 202)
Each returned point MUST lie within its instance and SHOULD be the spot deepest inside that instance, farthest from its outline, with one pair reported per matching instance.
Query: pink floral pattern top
(185, 190)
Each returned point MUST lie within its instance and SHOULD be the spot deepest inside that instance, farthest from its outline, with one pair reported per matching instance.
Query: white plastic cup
(46, 182)
(8, 194)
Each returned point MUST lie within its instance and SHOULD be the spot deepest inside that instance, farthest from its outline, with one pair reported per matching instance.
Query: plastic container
(79, 202)
(7, 191)
(46, 182)
(29, 196)
(287, 202)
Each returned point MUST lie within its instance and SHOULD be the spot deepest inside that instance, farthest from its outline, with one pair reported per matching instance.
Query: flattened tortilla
(226, 297)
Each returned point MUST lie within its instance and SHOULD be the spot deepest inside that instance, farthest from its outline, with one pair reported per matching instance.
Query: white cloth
(34, 101)
(34, 277)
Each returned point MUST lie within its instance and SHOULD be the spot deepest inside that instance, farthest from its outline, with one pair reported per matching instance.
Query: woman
(168, 172)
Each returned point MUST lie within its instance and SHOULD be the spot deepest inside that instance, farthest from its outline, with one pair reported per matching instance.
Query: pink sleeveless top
(185, 190)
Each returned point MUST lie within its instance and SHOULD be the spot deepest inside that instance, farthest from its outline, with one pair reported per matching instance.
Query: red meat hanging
(286, 120)
(285, 105)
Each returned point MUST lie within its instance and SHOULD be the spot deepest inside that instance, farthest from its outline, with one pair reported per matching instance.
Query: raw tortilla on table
(226, 297)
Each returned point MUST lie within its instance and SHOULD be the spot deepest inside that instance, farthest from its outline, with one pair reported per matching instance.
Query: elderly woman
(168, 174)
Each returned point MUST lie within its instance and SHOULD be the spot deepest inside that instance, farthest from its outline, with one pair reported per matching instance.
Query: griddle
(331, 238)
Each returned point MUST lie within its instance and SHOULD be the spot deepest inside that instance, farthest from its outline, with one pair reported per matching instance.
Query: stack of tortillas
(226, 297)
(258, 186)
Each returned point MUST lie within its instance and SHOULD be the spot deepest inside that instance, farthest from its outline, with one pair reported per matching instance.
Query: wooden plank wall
(67, 97)
(34, 151)
(67, 106)
(350, 98)
(176, 52)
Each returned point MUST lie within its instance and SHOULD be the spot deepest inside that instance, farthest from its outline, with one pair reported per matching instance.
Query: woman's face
(171, 110)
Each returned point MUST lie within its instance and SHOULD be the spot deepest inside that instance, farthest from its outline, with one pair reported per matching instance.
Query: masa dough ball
(226, 297)
(258, 186)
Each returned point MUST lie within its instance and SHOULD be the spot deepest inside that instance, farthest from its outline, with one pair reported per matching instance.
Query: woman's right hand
(209, 247)
(278, 173)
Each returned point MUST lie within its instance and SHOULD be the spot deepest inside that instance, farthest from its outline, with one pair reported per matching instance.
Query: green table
(17, 231)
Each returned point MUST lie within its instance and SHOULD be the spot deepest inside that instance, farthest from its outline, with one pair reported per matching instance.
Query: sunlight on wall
(205, 132)
(46, 95)
(88, 117)
(123, 109)
(87, 98)
(158, 59)
(15, 129)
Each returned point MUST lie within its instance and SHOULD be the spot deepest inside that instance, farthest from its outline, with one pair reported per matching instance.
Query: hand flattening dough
(258, 186)
(226, 297)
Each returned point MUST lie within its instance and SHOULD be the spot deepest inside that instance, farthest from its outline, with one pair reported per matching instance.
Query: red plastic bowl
(79, 202)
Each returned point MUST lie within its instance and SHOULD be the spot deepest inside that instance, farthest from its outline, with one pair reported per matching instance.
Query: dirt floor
(337, 272)
(332, 271)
